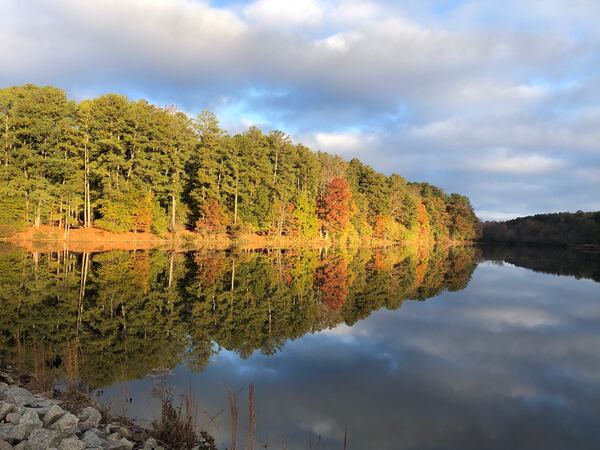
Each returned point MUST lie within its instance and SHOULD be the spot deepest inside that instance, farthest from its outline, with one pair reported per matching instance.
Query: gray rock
(12, 418)
(23, 446)
(5, 408)
(54, 413)
(42, 439)
(5, 429)
(150, 443)
(30, 418)
(122, 444)
(91, 439)
(5, 446)
(114, 436)
(72, 444)
(89, 417)
(19, 396)
(66, 424)
(20, 432)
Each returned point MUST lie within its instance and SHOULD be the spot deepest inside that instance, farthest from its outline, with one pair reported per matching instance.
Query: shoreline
(33, 418)
(48, 238)
(41, 418)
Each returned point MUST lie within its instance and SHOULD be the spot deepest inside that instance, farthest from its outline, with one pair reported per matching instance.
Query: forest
(578, 228)
(129, 166)
(119, 315)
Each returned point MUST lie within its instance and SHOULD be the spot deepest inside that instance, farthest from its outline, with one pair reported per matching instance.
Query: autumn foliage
(213, 218)
(336, 205)
(331, 279)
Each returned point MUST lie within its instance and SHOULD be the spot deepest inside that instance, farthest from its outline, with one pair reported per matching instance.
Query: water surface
(460, 348)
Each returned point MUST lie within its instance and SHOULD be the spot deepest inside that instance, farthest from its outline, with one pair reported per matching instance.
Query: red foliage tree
(213, 218)
(331, 280)
(336, 205)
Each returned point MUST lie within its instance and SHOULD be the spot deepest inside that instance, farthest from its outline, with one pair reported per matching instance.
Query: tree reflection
(121, 315)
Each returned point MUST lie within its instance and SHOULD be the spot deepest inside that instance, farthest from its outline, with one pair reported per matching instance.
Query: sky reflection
(510, 362)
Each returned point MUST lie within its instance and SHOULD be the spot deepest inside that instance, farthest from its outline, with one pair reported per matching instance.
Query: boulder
(42, 439)
(89, 418)
(5, 408)
(72, 444)
(66, 424)
(12, 418)
(20, 432)
(122, 444)
(19, 396)
(54, 413)
(91, 438)
(30, 418)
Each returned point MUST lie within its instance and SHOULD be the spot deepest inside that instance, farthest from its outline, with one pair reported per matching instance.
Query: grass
(175, 429)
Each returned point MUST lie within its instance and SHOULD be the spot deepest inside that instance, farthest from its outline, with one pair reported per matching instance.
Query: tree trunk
(235, 203)
(173, 214)
(38, 215)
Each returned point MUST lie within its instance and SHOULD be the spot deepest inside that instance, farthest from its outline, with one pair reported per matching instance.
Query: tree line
(578, 228)
(123, 165)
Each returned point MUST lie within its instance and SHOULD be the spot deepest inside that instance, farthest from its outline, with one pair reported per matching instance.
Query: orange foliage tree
(331, 280)
(213, 218)
(335, 206)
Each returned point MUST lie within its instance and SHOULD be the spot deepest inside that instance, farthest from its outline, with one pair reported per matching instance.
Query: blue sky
(496, 100)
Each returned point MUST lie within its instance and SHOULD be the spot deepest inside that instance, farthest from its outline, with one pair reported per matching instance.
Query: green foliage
(66, 164)
(558, 229)
(119, 315)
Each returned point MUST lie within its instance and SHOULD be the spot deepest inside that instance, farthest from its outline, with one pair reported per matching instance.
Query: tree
(335, 206)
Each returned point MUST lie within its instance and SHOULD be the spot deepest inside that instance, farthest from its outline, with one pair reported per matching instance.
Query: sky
(497, 100)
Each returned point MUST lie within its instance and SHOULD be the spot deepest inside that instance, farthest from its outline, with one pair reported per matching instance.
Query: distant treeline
(558, 229)
(546, 259)
(124, 165)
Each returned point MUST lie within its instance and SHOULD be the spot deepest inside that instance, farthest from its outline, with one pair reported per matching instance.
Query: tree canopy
(124, 165)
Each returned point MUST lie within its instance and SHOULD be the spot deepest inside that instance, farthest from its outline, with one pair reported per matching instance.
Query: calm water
(491, 348)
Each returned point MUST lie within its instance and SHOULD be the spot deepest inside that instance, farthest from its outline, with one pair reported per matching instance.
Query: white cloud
(342, 142)
(284, 13)
(518, 164)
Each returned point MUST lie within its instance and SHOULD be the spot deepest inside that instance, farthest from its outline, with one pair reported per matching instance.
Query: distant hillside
(557, 229)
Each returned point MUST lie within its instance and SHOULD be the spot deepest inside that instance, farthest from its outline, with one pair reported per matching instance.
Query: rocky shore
(31, 421)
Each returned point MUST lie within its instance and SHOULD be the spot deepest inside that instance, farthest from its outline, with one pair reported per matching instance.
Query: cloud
(281, 14)
(517, 164)
(342, 143)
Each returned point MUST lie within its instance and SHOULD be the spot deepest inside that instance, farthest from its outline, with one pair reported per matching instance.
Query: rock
(20, 432)
(43, 439)
(5, 408)
(5, 446)
(72, 444)
(5, 429)
(122, 444)
(23, 446)
(30, 418)
(19, 396)
(89, 417)
(150, 443)
(66, 424)
(54, 413)
(91, 439)
(12, 418)
(114, 436)
(124, 432)
(137, 435)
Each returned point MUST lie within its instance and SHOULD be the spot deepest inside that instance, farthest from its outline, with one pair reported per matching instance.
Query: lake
(396, 348)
